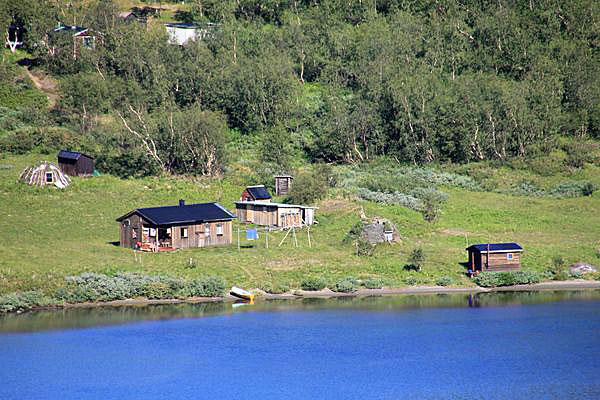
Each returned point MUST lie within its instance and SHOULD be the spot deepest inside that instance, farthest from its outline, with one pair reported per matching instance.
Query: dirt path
(46, 85)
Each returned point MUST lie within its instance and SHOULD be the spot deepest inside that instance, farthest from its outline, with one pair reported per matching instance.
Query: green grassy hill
(48, 234)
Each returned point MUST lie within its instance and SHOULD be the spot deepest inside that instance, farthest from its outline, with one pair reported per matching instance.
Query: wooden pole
(295, 239)
(267, 236)
(282, 240)
(238, 229)
(308, 232)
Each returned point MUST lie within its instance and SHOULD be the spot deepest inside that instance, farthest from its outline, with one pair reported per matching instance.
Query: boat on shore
(241, 293)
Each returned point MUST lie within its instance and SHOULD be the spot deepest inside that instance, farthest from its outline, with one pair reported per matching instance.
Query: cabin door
(201, 240)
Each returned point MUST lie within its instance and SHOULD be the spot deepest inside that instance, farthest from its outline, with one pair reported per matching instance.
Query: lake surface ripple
(523, 345)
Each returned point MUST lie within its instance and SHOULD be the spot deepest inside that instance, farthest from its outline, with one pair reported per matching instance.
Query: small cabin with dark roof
(74, 163)
(256, 193)
(494, 257)
(175, 227)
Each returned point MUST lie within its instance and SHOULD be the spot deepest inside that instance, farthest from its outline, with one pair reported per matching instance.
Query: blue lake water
(491, 346)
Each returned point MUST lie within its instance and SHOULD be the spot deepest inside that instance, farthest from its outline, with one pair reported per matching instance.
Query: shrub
(494, 279)
(573, 189)
(364, 248)
(410, 280)
(415, 260)
(443, 281)
(373, 283)
(22, 301)
(313, 283)
(275, 288)
(345, 285)
(308, 188)
(487, 279)
(211, 286)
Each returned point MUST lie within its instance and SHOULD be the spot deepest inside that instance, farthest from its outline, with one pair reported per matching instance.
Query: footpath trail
(46, 85)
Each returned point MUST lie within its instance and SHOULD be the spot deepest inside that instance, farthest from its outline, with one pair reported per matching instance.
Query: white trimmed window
(509, 256)
(219, 229)
(184, 232)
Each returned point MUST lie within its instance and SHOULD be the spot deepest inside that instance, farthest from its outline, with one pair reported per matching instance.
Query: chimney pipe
(181, 202)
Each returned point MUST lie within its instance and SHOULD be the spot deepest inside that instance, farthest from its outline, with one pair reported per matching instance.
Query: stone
(582, 268)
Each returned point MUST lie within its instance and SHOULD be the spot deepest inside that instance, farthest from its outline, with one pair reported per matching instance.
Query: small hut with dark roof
(173, 227)
(73, 163)
(494, 257)
(256, 193)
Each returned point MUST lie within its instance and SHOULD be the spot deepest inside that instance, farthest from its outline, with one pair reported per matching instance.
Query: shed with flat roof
(495, 257)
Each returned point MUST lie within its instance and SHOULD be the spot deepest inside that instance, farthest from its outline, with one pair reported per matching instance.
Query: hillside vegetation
(459, 121)
(48, 234)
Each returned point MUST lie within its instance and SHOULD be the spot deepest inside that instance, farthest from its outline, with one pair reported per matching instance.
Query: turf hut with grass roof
(176, 227)
(495, 257)
(43, 174)
(74, 163)
(256, 193)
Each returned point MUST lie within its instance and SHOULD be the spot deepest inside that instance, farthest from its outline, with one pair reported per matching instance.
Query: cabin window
(126, 223)
(184, 232)
(219, 229)
(49, 177)
(509, 256)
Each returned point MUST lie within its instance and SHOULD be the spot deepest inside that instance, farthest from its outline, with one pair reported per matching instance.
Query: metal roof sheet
(259, 192)
(496, 247)
(183, 214)
(72, 155)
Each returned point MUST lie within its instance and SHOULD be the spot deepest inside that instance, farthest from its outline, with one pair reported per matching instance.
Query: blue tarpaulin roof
(259, 192)
(496, 247)
(184, 214)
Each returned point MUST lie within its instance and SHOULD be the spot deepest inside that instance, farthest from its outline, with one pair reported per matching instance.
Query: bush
(573, 189)
(22, 301)
(364, 248)
(345, 285)
(313, 283)
(308, 188)
(373, 283)
(415, 260)
(211, 286)
(275, 288)
(411, 280)
(443, 281)
(494, 279)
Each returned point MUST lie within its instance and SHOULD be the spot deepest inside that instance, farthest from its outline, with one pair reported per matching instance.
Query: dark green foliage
(275, 287)
(22, 301)
(313, 283)
(443, 281)
(415, 260)
(100, 287)
(212, 286)
(494, 279)
(308, 187)
(364, 248)
(411, 280)
(345, 285)
(373, 283)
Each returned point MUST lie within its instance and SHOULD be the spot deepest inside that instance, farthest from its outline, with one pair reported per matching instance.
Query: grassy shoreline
(48, 234)
(326, 293)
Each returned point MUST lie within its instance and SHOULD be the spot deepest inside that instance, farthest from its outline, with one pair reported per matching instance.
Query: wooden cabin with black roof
(256, 193)
(74, 163)
(176, 227)
(494, 257)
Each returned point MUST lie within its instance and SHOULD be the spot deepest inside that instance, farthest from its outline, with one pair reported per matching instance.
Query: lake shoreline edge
(578, 284)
